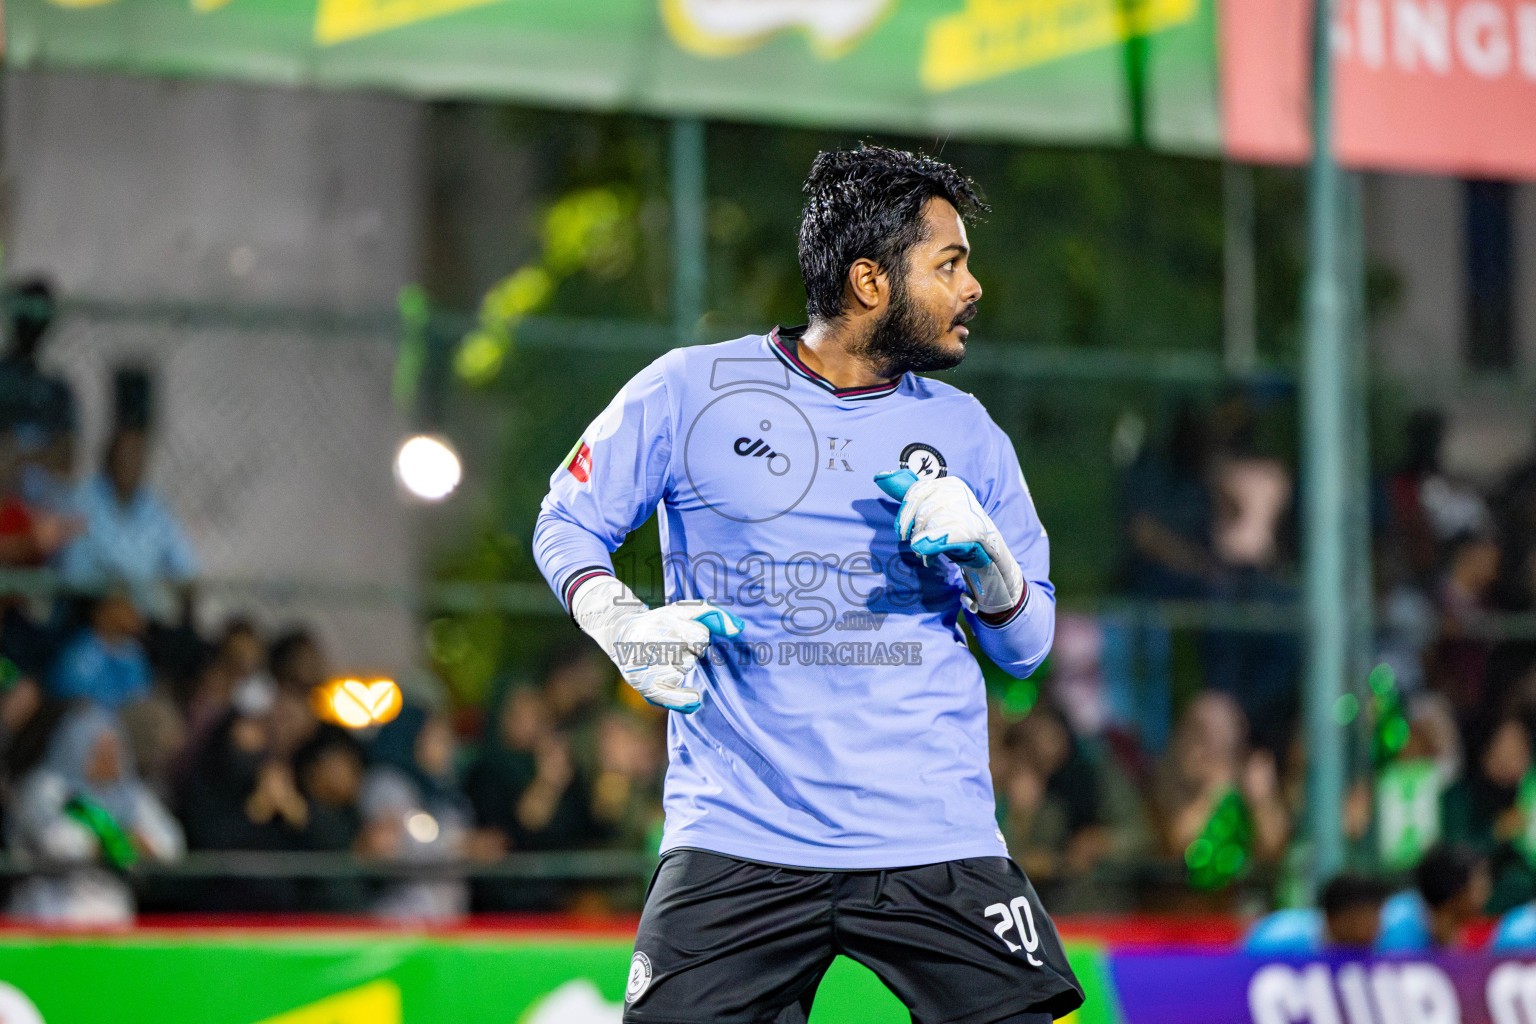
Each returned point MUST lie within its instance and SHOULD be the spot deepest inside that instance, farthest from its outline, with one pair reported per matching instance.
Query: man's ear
(867, 286)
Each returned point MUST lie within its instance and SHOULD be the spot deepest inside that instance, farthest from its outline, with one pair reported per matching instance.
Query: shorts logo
(923, 460)
(639, 977)
(579, 461)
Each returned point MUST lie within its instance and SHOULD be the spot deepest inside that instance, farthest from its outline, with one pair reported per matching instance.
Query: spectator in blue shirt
(105, 663)
(1516, 931)
(1453, 885)
(130, 534)
(1351, 917)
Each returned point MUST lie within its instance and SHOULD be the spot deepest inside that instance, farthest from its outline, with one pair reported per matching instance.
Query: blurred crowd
(129, 737)
(1164, 758)
(1145, 743)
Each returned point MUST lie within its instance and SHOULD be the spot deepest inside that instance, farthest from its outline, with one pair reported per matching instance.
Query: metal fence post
(1327, 432)
(1239, 321)
(690, 201)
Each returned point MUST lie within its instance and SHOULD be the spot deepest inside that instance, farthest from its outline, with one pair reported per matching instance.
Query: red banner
(1438, 86)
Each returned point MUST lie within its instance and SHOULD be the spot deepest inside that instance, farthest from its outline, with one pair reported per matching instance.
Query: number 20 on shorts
(1017, 915)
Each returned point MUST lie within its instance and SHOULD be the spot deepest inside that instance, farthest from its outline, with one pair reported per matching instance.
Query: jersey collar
(784, 341)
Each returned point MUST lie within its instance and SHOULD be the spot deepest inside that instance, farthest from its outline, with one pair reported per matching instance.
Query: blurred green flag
(1094, 71)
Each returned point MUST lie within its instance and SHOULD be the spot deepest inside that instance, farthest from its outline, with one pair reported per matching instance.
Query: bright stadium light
(357, 704)
(428, 467)
(422, 827)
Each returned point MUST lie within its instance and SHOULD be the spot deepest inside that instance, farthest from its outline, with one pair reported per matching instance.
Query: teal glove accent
(971, 554)
(896, 483)
(720, 622)
(941, 516)
(655, 649)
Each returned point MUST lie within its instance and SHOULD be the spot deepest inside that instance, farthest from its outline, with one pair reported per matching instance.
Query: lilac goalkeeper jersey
(846, 726)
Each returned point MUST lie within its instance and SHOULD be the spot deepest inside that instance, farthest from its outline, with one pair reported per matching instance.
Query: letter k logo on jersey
(837, 452)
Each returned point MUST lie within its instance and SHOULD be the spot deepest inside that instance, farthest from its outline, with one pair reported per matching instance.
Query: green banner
(1059, 70)
(378, 979)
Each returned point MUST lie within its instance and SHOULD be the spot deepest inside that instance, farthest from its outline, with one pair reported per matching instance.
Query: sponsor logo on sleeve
(579, 462)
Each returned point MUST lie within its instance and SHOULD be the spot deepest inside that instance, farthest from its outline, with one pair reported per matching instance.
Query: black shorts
(728, 941)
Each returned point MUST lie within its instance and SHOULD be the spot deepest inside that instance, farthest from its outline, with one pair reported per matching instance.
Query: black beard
(906, 339)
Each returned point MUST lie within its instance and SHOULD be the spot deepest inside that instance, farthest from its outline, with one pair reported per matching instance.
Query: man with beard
(827, 790)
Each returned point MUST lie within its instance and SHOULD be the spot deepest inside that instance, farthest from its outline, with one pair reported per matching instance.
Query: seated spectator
(241, 795)
(130, 533)
(1352, 911)
(1483, 810)
(330, 769)
(411, 797)
(29, 535)
(1348, 917)
(86, 806)
(1451, 889)
(1050, 796)
(577, 682)
(626, 791)
(157, 734)
(525, 783)
(1408, 796)
(238, 656)
(297, 664)
(1207, 762)
(1515, 932)
(105, 662)
(297, 661)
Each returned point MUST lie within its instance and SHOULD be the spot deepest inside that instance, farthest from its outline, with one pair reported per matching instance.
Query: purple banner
(1217, 988)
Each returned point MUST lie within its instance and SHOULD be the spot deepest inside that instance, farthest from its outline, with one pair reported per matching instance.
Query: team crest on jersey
(924, 461)
(579, 461)
(639, 977)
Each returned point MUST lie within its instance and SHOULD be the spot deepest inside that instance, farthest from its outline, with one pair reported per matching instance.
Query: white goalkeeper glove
(654, 648)
(942, 517)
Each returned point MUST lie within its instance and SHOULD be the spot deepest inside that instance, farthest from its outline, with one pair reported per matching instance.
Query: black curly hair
(867, 203)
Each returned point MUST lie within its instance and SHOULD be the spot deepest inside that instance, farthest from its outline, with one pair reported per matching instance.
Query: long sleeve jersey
(846, 726)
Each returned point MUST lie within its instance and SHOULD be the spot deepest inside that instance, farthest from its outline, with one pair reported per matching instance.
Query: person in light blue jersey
(828, 518)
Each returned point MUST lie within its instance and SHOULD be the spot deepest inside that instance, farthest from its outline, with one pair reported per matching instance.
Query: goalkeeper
(827, 516)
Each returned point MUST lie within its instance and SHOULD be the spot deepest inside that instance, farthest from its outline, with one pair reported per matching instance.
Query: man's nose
(972, 291)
